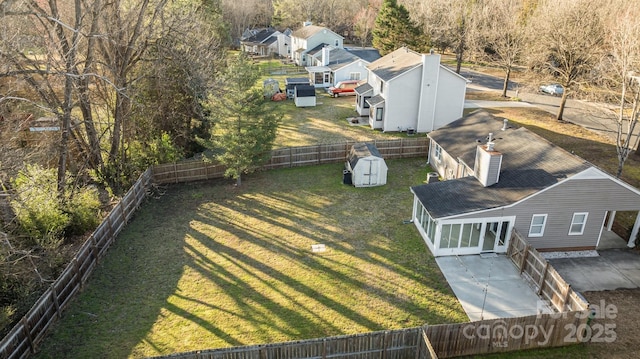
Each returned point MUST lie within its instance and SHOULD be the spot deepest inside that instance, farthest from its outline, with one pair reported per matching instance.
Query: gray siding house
(499, 178)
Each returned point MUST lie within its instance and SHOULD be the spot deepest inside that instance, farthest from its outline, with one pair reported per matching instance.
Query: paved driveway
(612, 269)
(488, 287)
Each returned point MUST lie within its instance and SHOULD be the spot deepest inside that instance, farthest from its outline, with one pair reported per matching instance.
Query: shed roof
(529, 164)
(296, 81)
(305, 91)
(362, 150)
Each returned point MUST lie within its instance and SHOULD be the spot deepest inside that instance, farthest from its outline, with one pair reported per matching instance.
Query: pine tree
(244, 131)
(394, 28)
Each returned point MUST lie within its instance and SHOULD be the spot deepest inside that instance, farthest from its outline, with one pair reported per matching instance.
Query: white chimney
(325, 56)
(488, 163)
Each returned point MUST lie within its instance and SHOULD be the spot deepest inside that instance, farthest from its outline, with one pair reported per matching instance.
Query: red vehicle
(343, 88)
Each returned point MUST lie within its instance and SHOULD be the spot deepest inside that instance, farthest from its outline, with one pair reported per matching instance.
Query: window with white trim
(538, 222)
(354, 76)
(437, 152)
(379, 112)
(577, 223)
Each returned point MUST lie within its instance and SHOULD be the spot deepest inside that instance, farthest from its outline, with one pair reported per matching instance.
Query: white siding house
(411, 91)
(310, 37)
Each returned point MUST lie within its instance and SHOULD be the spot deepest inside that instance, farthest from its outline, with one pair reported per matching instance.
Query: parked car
(552, 89)
(343, 88)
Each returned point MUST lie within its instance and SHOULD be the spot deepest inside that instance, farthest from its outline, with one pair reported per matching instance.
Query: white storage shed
(366, 166)
(305, 96)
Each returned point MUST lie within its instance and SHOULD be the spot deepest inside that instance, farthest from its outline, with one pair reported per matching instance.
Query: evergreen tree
(243, 131)
(394, 28)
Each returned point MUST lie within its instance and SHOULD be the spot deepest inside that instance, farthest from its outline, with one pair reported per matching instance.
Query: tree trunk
(563, 103)
(505, 86)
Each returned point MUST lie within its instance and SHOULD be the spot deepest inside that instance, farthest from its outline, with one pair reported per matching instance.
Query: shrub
(37, 206)
(83, 209)
(43, 215)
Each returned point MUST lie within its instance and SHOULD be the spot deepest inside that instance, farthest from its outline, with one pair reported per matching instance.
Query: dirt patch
(625, 323)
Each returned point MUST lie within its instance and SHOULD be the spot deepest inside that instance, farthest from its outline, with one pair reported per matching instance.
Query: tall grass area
(211, 265)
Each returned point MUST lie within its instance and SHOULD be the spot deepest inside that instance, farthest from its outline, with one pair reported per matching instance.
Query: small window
(337, 42)
(379, 114)
(538, 222)
(366, 103)
(577, 223)
(381, 87)
(354, 76)
(437, 152)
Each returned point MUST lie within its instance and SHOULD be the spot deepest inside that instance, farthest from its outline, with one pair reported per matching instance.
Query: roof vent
(505, 124)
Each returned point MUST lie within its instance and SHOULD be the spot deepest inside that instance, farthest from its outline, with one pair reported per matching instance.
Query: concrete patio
(612, 269)
(488, 286)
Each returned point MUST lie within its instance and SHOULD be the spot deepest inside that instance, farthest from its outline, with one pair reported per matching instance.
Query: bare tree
(567, 42)
(364, 21)
(623, 38)
(501, 34)
(449, 24)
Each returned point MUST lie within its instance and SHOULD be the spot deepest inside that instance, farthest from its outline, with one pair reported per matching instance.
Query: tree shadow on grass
(209, 266)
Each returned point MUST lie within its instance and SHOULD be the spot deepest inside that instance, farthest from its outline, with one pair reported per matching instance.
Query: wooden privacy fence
(427, 342)
(389, 344)
(544, 279)
(21, 341)
(506, 334)
(196, 170)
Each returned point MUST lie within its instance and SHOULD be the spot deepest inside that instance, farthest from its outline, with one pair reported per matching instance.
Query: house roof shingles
(395, 63)
(260, 36)
(529, 164)
(306, 32)
(363, 89)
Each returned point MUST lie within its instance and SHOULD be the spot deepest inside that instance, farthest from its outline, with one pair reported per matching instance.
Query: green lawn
(210, 265)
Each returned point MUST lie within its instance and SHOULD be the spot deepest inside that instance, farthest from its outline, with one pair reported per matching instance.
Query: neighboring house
(331, 65)
(312, 38)
(406, 90)
(266, 42)
(499, 178)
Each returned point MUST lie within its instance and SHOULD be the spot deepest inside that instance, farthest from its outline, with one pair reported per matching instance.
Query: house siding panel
(447, 168)
(560, 203)
(344, 73)
(450, 88)
(402, 96)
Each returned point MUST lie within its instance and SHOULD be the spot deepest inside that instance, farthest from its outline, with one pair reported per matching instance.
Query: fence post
(319, 154)
(524, 257)
(25, 325)
(543, 277)
(324, 348)
(290, 157)
(175, 173)
(56, 302)
(385, 344)
(565, 297)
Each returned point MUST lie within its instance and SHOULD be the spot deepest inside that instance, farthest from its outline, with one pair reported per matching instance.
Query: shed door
(371, 178)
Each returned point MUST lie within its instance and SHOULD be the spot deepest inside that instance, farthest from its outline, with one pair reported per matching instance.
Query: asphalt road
(593, 116)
